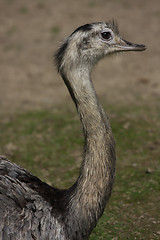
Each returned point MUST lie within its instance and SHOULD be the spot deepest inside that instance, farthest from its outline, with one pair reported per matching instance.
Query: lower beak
(124, 45)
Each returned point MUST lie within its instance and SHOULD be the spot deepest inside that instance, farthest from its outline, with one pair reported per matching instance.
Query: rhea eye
(106, 35)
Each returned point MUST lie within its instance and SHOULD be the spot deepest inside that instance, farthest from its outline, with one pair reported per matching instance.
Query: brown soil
(30, 32)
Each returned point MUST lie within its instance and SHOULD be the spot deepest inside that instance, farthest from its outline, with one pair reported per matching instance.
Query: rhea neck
(78, 81)
(94, 184)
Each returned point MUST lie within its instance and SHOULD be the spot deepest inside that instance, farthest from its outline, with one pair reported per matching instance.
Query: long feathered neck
(93, 187)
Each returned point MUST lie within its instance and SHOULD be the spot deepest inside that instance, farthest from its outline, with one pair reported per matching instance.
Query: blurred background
(39, 126)
(31, 31)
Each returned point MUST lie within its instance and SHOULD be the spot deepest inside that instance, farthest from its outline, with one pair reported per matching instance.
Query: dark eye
(106, 35)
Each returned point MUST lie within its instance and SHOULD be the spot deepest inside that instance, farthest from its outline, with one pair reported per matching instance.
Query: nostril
(128, 43)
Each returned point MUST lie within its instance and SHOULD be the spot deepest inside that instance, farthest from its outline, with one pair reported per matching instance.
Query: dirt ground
(30, 32)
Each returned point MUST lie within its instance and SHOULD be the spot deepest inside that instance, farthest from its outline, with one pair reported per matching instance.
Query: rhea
(30, 208)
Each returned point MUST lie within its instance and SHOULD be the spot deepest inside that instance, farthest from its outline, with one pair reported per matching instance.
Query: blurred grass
(23, 10)
(49, 144)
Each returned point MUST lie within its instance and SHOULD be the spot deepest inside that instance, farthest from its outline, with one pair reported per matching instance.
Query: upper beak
(124, 45)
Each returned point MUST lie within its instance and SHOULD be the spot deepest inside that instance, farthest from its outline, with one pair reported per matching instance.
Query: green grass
(55, 30)
(23, 10)
(49, 144)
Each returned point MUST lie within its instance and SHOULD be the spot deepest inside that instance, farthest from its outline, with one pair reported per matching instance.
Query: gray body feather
(24, 214)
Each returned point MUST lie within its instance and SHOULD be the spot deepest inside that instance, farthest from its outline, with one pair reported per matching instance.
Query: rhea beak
(124, 45)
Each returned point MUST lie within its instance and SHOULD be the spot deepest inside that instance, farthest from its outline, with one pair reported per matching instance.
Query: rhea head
(91, 42)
